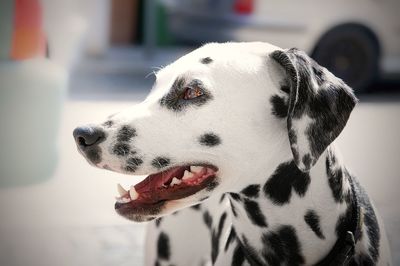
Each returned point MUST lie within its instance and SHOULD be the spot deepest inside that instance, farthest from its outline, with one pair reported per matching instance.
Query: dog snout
(88, 136)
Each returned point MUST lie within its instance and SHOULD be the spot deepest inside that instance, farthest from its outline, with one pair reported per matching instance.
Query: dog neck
(301, 211)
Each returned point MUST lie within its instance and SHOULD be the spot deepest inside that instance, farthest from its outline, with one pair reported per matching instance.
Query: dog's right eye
(191, 93)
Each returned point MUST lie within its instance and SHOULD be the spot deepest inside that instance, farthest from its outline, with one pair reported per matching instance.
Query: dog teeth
(133, 194)
(187, 175)
(121, 190)
(175, 181)
(196, 169)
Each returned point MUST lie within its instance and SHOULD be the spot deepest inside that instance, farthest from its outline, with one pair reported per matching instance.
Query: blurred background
(65, 63)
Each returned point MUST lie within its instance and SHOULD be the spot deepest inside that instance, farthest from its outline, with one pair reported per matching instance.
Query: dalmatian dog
(237, 143)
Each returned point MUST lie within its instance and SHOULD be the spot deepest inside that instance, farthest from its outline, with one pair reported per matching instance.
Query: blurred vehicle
(357, 40)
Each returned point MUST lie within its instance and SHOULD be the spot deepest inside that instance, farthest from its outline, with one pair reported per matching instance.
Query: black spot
(279, 186)
(238, 256)
(133, 163)
(204, 198)
(221, 222)
(231, 238)
(233, 208)
(235, 196)
(279, 106)
(211, 186)
(285, 88)
(370, 221)
(163, 248)
(206, 60)
(214, 246)
(222, 198)
(254, 213)
(344, 223)
(312, 219)
(307, 161)
(126, 133)
(158, 221)
(215, 238)
(282, 246)
(160, 162)
(251, 254)
(207, 219)
(275, 255)
(94, 154)
(196, 207)
(121, 149)
(156, 263)
(108, 123)
(335, 177)
(210, 140)
(251, 191)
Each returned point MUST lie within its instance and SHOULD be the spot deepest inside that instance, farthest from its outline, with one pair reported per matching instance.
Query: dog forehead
(228, 54)
(215, 59)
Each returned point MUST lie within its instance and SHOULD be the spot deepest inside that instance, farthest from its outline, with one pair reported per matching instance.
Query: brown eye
(191, 93)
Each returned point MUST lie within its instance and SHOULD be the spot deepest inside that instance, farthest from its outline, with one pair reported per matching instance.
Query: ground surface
(70, 220)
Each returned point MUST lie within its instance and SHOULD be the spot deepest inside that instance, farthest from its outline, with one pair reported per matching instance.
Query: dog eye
(191, 93)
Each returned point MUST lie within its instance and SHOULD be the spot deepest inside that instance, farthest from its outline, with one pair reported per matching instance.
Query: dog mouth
(149, 195)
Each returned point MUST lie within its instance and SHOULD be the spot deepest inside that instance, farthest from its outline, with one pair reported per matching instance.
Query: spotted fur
(163, 249)
(126, 133)
(160, 162)
(313, 221)
(206, 60)
(267, 118)
(286, 178)
(210, 140)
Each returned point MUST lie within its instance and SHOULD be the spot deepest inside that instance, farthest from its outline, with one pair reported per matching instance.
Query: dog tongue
(155, 181)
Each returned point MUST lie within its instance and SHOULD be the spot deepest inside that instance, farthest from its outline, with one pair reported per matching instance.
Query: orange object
(28, 38)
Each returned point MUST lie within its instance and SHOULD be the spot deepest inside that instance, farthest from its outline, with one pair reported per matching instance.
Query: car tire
(350, 53)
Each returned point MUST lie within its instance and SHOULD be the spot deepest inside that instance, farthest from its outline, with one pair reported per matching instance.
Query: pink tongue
(157, 180)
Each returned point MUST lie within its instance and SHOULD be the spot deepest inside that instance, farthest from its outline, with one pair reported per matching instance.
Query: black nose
(87, 136)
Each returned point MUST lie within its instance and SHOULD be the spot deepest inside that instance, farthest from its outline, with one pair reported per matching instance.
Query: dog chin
(149, 213)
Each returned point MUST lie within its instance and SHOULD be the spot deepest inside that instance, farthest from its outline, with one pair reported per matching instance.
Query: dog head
(215, 118)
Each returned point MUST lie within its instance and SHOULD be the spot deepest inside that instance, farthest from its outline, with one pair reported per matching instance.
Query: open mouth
(172, 184)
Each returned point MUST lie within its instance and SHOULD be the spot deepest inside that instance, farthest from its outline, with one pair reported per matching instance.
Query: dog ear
(319, 106)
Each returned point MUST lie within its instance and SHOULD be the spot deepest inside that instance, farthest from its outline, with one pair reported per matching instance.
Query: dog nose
(87, 136)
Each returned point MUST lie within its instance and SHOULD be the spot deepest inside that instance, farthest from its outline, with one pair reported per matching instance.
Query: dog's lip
(172, 184)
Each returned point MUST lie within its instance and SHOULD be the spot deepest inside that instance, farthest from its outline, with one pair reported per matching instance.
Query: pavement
(70, 219)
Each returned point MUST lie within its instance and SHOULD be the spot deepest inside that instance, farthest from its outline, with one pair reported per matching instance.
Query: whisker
(151, 73)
